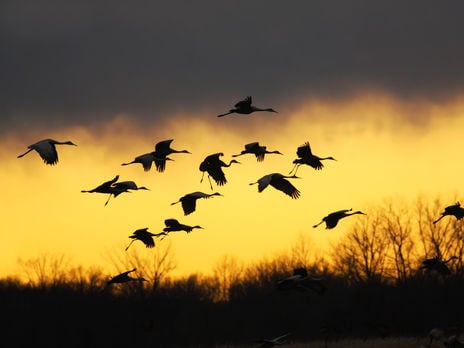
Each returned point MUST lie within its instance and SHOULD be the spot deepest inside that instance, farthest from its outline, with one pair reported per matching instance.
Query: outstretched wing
(171, 222)
(189, 205)
(163, 146)
(47, 151)
(285, 186)
(245, 103)
(304, 150)
(160, 164)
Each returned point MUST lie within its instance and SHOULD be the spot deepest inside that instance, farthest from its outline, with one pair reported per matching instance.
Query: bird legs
(294, 169)
(209, 179)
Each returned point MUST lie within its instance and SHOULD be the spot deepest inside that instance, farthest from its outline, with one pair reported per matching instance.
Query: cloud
(74, 63)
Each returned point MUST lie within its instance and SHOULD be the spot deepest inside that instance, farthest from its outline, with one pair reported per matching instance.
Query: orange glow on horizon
(380, 153)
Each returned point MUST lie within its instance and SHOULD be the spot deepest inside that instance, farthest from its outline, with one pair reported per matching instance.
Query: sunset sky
(377, 85)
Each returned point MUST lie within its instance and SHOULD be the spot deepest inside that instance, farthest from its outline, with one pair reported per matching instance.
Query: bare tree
(361, 255)
(226, 273)
(397, 225)
(46, 269)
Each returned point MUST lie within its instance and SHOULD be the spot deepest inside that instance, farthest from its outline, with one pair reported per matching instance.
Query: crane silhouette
(453, 342)
(162, 150)
(173, 225)
(305, 156)
(124, 277)
(244, 107)
(144, 236)
(279, 182)
(189, 200)
(212, 165)
(46, 148)
(114, 188)
(271, 342)
(455, 210)
(301, 281)
(332, 219)
(258, 150)
(147, 159)
(436, 264)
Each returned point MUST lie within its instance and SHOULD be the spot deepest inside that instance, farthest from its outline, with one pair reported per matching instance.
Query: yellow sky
(380, 154)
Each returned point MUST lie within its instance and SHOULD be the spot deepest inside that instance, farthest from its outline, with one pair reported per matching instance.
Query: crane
(144, 236)
(114, 188)
(455, 210)
(124, 277)
(258, 150)
(173, 225)
(301, 281)
(189, 200)
(147, 159)
(46, 148)
(244, 107)
(437, 264)
(212, 164)
(162, 150)
(279, 182)
(332, 219)
(305, 156)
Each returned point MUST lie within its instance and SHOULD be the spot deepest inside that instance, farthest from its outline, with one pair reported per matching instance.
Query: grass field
(398, 342)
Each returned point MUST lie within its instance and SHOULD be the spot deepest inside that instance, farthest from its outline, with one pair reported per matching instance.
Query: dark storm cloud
(71, 62)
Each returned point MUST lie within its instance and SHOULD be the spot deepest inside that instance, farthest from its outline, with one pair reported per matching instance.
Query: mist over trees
(375, 288)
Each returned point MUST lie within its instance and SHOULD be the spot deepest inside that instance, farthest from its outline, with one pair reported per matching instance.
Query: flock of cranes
(212, 165)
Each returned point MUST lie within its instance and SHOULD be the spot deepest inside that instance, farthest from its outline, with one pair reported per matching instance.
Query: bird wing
(213, 158)
(245, 103)
(46, 150)
(171, 222)
(304, 150)
(106, 186)
(339, 213)
(160, 164)
(252, 146)
(147, 239)
(331, 222)
(258, 150)
(285, 186)
(125, 185)
(263, 182)
(146, 160)
(189, 204)
(216, 172)
(163, 146)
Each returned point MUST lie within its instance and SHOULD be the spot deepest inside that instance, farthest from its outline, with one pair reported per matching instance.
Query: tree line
(375, 288)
